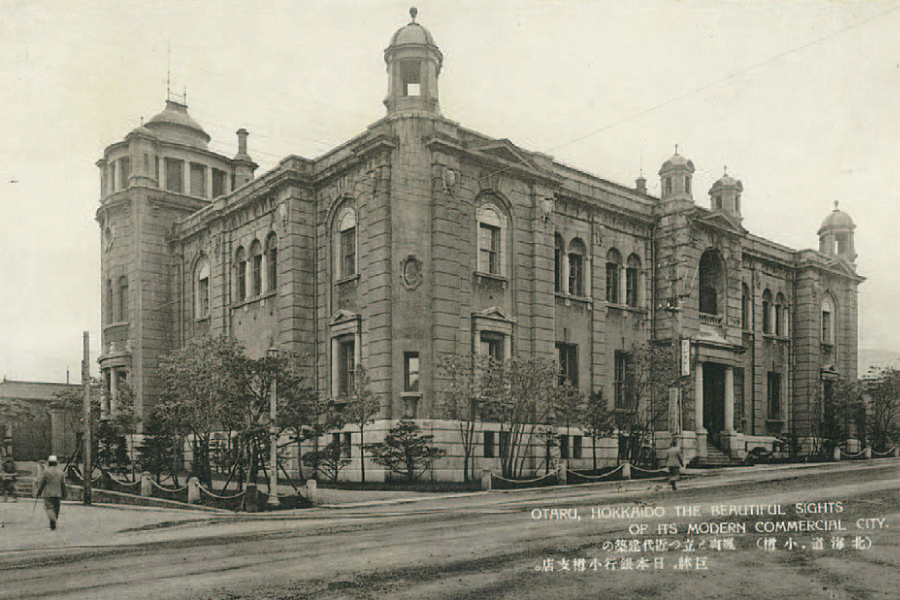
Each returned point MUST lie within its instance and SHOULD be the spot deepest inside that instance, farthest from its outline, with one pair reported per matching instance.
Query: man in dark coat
(674, 462)
(51, 486)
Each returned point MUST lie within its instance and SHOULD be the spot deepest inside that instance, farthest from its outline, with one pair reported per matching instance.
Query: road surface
(528, 544)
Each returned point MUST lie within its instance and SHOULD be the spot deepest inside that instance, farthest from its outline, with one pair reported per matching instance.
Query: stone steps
(716, 458)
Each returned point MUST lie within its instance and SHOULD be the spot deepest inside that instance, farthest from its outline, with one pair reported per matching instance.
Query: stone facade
(420, 237)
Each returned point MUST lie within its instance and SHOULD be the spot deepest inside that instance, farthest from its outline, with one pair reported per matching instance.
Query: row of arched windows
(255, 270)
(623, 280)
(775, 312)
(572, 273)
(117, 300)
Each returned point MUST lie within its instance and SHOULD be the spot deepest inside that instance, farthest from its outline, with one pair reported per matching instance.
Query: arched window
(745, 307)
(613, 262)
(123, 299)
(767, 311)
(559, 252)
(240, 274)
(491, 240)
(256, 268)
(827, 320)
(345, 244)
(632, 281)
(271, 262)
(576, 268)
(712, 279)
(779, 314)
(201, 281)
(110, 313)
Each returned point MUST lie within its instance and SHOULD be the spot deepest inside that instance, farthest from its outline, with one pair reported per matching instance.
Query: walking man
(674, 461)
(51, 486)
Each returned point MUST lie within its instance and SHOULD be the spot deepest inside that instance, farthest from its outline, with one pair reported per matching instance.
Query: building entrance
(713, 400)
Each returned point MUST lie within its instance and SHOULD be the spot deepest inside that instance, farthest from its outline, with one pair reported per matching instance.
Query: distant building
(51, 428)
(420, 237)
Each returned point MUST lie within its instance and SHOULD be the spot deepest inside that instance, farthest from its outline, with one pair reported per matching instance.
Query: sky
(798, 98)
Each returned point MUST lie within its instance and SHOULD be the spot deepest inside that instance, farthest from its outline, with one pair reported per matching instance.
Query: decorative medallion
(411, 272)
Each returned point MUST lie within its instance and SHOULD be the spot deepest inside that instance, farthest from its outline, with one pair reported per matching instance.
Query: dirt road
(576, 542)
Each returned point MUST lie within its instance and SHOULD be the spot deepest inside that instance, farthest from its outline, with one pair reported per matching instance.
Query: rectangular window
(504, 443)
(347, 445)
(346, 365)
(826, 327)
(563, 447)
(567, 359)
(204, 296)
(273, 268)
(257, 274)
(620, 373)
(410, 371)
(489, 444)
(576, 446)
(774, 395)
(489, 249)
(174, 175)
(219, 179)
(631, 286)
(492, 345)
(242, 280)
(124, 172)
(576, 275)
(348, 252)
(123, 300)
(612, 283)
(411, 78)
(198, 180)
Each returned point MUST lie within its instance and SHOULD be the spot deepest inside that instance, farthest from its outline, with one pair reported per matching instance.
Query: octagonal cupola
(675, 178)
(836, 235)
(413, 65)
(725, 196)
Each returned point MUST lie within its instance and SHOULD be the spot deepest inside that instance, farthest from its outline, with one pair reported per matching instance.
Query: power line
(727, 78)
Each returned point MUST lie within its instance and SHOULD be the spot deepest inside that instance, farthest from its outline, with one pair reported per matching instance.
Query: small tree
(159, 450)
(883, 407)
(329, 460)
(650, 372)
(518, 394)
(460, 401)
(406, 451)
(599, 420)
(361, 408)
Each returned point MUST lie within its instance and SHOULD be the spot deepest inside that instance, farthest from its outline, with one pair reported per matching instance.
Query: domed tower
(725, 196)
(162, 172)
(836, 236)
(675, 178)
(413, 66)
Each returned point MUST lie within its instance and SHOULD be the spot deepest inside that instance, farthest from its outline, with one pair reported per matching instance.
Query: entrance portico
(714, 396)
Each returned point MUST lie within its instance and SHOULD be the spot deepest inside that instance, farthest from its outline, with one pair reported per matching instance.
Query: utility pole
(86, 382)
(273, 434)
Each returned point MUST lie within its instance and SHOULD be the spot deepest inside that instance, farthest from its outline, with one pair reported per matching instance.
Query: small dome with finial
(677, 161)
(838, 220)
(413, 33)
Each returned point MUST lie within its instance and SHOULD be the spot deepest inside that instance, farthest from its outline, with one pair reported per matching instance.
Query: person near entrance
(51, 486)
(674, 462)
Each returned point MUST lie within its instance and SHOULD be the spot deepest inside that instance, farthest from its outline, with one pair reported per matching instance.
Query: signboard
(685, 358)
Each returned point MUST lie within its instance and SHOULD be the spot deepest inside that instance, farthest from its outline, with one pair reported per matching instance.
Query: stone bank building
(420, 237)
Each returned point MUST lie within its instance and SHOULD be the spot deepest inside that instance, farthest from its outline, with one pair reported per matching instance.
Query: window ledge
(251, 300)
(201, 319)
(346, 279)
(118, 324)
(569, 298)
(780, 421)
(410, 394)
(495, 276)
(626, 308)
(827, 345)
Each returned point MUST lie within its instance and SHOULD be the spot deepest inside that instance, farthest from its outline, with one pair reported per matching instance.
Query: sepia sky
(798, 98)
